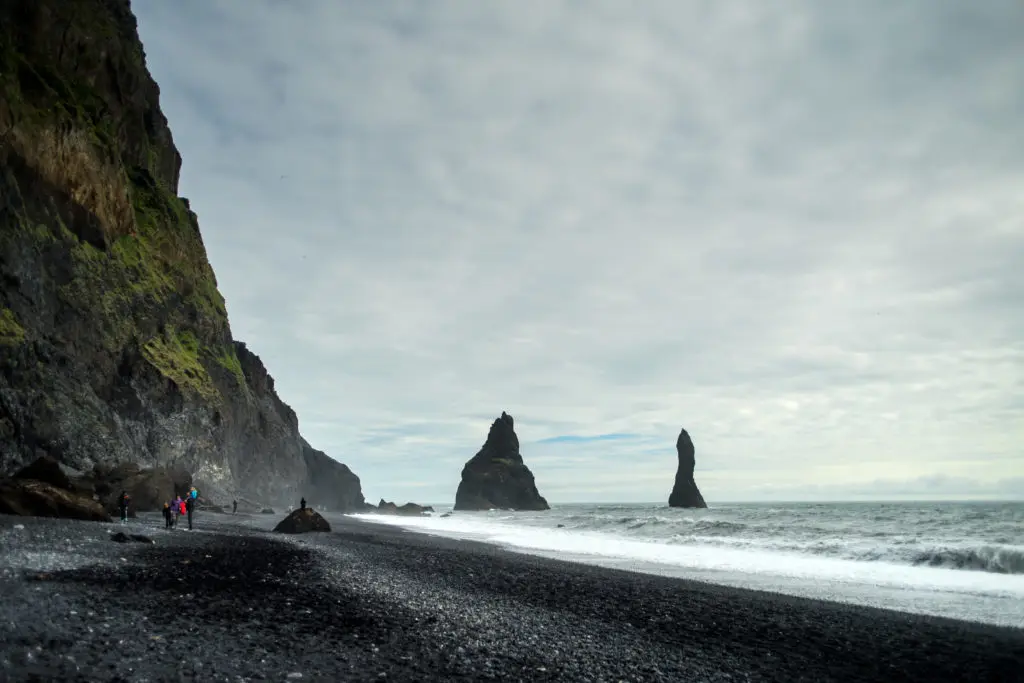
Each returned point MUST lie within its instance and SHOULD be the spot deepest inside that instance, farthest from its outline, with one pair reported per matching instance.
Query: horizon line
(772, 502)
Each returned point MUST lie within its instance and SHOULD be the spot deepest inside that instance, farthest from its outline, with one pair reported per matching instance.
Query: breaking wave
(1000, 560)
(960, 560)
(970, 537)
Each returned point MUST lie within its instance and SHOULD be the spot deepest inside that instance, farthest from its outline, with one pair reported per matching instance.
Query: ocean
(956, 559)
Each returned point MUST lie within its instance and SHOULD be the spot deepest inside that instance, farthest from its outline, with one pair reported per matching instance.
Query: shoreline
(232, 601)
(963, 594)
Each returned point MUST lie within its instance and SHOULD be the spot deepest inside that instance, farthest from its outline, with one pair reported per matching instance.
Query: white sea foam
(893, 557)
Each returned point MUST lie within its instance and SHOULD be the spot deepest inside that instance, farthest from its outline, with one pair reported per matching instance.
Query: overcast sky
(795, 228)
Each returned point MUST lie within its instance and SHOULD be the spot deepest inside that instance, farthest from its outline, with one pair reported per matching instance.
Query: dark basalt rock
(28, 497)
(685, 493)
(211, 505)
(330, 483)
(122, 537)
(46, 470)
(148, 489)
(267, 511)
(496, 476)
(409, 509)
(115, 344)
(44, 489)
(302, 521)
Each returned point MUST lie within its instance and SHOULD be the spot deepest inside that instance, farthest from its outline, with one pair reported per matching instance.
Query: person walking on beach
(190, 504)
(168, 516)
(234, 507)
(302, 503)
(179, 509)
(122, 504)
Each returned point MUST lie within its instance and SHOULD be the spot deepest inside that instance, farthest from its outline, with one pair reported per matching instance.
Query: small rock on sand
(122, 537)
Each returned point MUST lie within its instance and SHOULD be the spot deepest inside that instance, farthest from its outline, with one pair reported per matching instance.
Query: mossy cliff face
(114, 340)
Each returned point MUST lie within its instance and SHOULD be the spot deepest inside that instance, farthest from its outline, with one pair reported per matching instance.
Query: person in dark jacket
(178, 508)
(302, 504)
(122, 505)
(168, 516)
(234, 507)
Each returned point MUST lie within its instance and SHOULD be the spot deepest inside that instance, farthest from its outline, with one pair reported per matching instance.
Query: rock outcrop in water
(496, 476)
(115, 346)
(685, 493)
(408, 510)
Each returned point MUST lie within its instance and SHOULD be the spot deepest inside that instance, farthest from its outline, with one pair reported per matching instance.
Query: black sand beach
(232, 602)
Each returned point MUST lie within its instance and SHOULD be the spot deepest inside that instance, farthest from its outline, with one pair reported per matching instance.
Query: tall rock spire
(496, 477)
(685, 493)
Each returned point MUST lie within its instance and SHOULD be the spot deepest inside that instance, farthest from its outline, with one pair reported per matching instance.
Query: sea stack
(685, 493)
(496, 477)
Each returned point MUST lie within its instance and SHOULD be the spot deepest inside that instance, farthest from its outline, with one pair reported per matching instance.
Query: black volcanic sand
(232, 602)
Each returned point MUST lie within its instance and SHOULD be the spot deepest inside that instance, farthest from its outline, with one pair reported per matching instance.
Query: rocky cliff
(496, 476)
(685, 493)
(115, 345)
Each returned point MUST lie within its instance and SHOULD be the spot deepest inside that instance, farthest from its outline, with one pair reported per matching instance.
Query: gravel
(234, 602)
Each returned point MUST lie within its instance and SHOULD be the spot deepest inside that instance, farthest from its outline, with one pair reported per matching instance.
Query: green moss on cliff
(176, 355)
(102, 286)
(167, 250)
(41, 233)
(37, 93)
(11, 331)
(159, 273)
(228, 359)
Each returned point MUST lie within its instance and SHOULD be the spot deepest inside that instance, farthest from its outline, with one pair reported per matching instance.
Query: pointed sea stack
(685, 493)
(496, 477)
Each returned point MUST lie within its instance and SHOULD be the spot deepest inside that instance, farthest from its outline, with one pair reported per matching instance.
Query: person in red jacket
(190, 505)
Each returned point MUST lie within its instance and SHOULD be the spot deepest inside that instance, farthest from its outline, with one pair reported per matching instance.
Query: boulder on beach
(32, 498)
(147, 489)
(409, 509)
(302, 521)
(685, 493)
(267, 511)
(47, 470)
(496, 476)
(122, 537)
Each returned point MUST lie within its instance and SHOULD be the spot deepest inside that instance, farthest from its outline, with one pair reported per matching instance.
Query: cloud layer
(797, 231)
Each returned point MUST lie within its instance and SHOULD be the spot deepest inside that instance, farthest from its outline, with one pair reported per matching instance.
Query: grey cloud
(1009, 488)
(795, 231)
